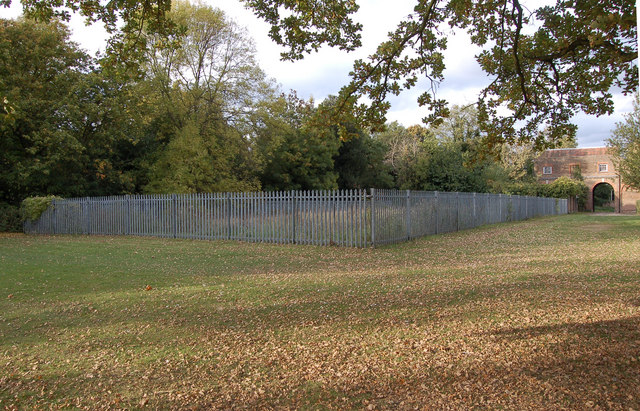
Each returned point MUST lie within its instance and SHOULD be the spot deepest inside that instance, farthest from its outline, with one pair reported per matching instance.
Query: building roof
(575, 152)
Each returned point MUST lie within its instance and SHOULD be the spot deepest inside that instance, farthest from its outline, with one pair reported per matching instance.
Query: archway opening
(604, 198)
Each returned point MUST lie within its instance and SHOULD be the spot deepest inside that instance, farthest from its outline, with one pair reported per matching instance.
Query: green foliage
(197, 162)
(360, 160)
(441, 167)
(452, 156)
(532, 189)
(205, 118)
(308, 25)
(360, 164)
(564, 187)
(10, 220)
(402, 147)
(460, 126)
(576, 173)
(33, 207)
(201, 83)
(123, 19)
(67, 128)
(602, 195)
(294, 152)
(301, 160)
(576, 53)
(39, 73)
(546, 63)
(444, 158)
(624, 146)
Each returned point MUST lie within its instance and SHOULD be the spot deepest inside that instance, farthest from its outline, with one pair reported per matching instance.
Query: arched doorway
(603, 198)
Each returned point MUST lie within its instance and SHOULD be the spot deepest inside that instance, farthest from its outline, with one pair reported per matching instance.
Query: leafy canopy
(624, 145)
(204, 83)
(546, 63)
(125, 20)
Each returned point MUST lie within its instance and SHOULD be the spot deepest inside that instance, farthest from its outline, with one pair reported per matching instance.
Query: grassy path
(542, 313)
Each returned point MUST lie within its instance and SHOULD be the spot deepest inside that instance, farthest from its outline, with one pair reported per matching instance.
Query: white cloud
(91, 38)
(12, 11)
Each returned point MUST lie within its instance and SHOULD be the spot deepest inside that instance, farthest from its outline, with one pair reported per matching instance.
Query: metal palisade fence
(354, 218)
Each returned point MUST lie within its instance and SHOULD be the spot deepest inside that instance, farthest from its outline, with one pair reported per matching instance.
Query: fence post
(373, 217)
(128, 228)
(227, 212)
(174, 202)
(457, 211)
(85, 211)
(435, 196)
(475, 220)
(408, 214)
(55, 219)
(295, 214)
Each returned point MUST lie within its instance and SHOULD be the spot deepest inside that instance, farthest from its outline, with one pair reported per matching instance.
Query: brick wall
(596, 167)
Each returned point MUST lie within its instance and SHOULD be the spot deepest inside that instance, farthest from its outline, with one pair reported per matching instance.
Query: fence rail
(352, 218)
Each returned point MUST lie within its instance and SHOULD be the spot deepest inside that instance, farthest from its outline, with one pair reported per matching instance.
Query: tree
(208, 68)
(360, 164)
(204, 82)
(577, 52)
(402, 148)
(125, 20)
(546, 64)
(565, 187)
(518, 161)
(624, 146)
(460, 126)
(193, 163)
(303, 27)
(67, 127)
(294, 153)
(40, 70)
(440, 166)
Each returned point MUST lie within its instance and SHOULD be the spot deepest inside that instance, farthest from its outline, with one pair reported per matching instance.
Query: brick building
(596, 167)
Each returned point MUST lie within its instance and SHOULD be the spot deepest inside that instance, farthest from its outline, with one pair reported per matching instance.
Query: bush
(522, 189)
(33, 207)
(10, 220)
(638, 207)
(565, 187)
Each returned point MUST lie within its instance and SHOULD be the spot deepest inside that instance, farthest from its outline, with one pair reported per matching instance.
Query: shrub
(10, 220)
(523, 189)
(33, 207)
(565, 187)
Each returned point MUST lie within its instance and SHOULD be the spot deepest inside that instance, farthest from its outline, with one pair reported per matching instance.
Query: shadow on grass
(564, 366)
(581, 364)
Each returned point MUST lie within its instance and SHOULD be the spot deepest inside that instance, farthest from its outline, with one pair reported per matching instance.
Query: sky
(325, 72)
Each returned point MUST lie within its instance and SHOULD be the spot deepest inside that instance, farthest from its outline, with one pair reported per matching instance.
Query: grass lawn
(603, 209)
(536, 314)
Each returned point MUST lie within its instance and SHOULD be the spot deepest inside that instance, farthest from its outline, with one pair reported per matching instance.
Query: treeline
(199, 115)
